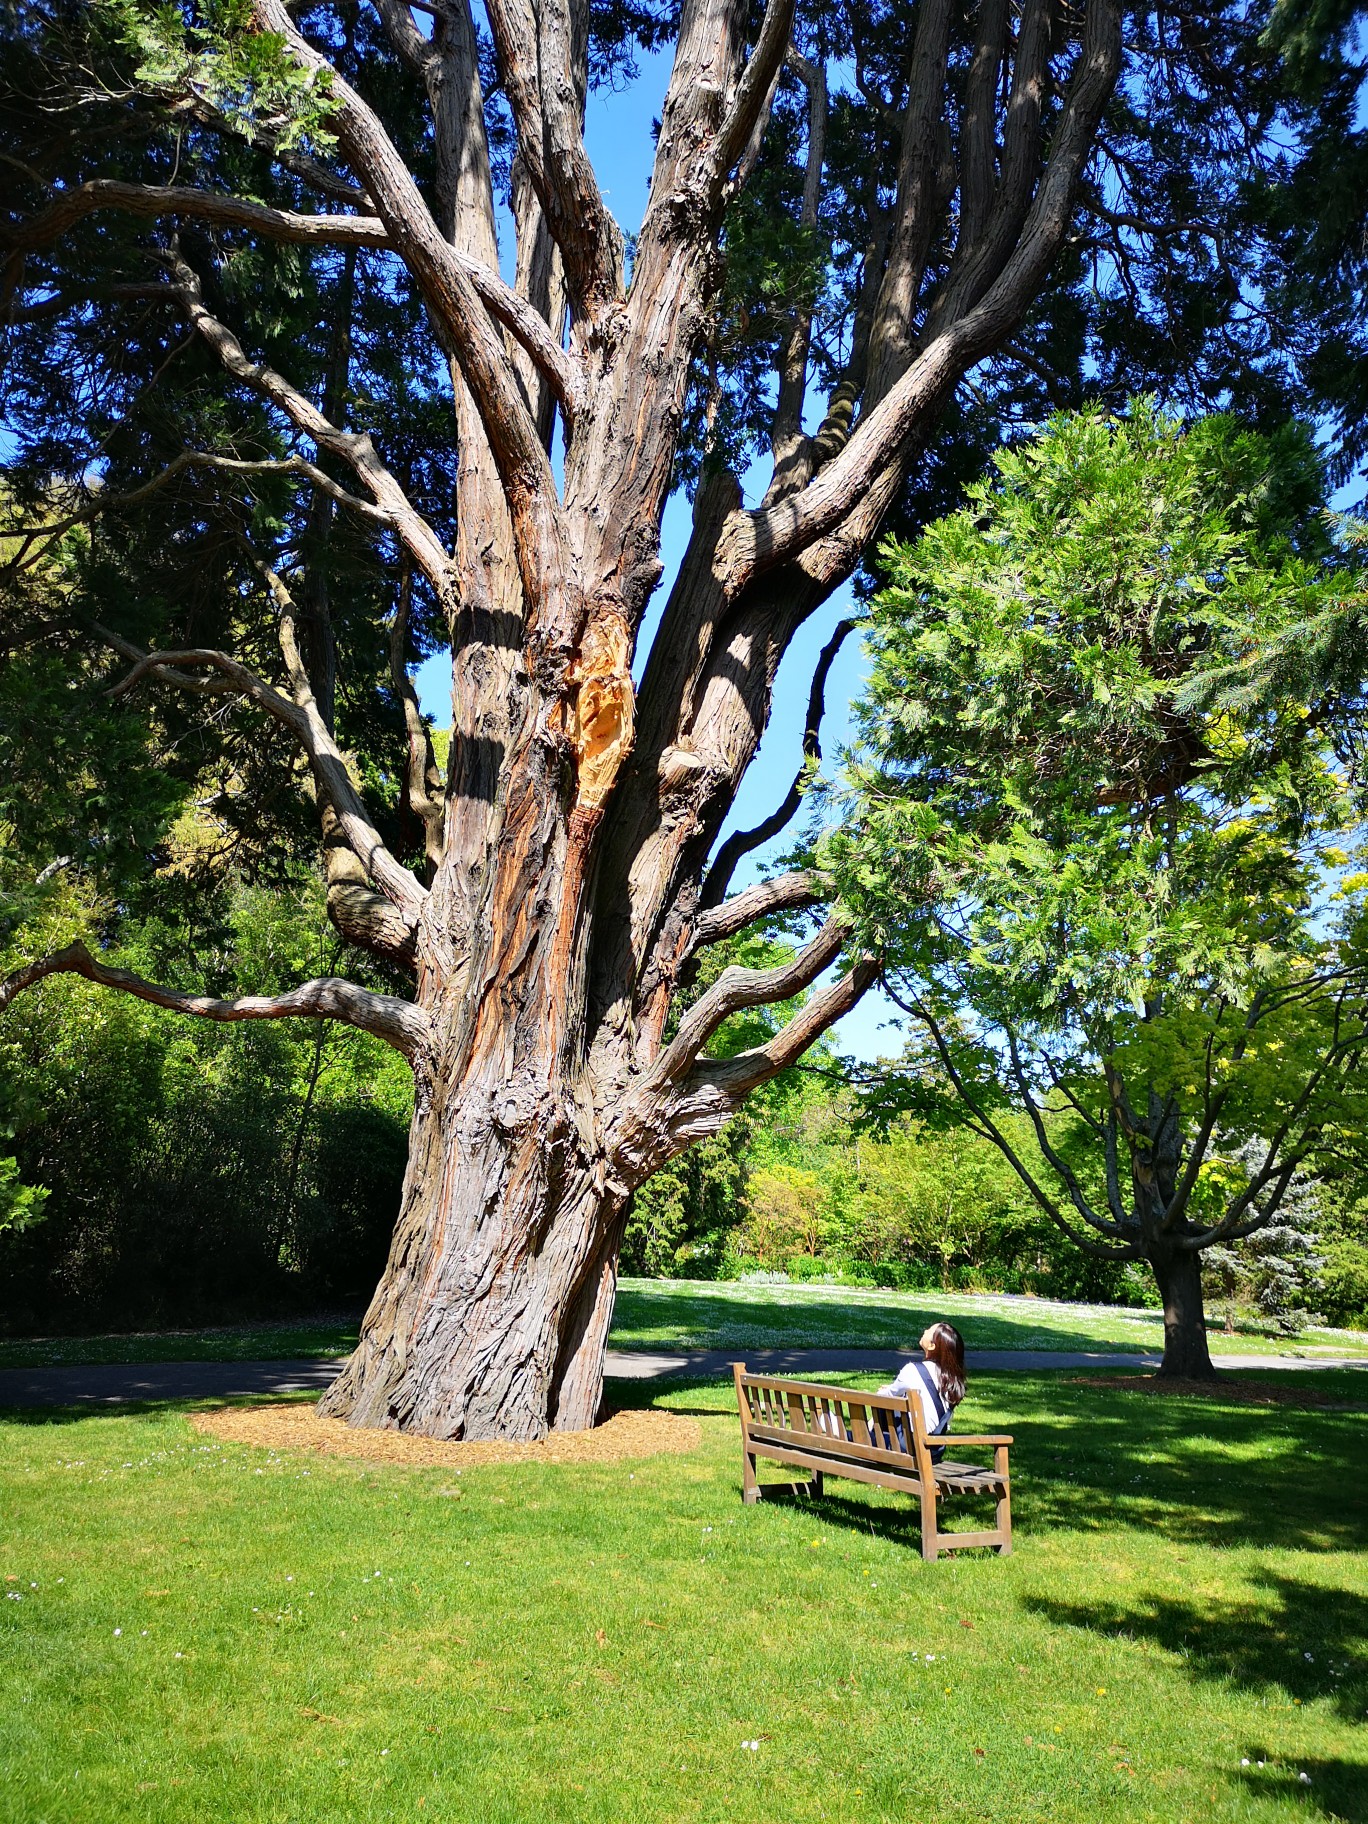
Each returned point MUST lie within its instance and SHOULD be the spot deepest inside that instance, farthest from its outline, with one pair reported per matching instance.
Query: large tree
(864, 221)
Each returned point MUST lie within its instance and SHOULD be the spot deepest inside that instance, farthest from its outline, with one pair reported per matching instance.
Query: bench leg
(816, 1485)
(750, 1488)
(930, 1538)
(1004, 1506)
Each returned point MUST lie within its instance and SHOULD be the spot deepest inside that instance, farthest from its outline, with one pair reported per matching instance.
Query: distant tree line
(163, 1173)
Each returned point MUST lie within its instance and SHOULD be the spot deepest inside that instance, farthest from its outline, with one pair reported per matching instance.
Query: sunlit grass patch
(724, 1314)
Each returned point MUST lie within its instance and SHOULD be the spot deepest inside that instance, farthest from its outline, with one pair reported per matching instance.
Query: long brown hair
(946, 1352)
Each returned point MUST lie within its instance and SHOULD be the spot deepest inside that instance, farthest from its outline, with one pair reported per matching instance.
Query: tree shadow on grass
(38, 1416)
(1287, 1638)
(1337, 1788)
(1201, 1472)
(1089, 1458)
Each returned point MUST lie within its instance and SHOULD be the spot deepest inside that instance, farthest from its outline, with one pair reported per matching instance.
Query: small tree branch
(1049, 1152)
(785, 893)
(990, 1130)
(731, 1080)
(30, 550)
(654, 1127)
(744, 842)
(152, 200)
(754, 88)
(329, 766)
(737, 988)
(399, 1023)
(73, 204)
(354, 448)
(502, 302)
(331, 773)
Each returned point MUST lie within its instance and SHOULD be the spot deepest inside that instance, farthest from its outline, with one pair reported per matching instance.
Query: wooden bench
(866, 1437)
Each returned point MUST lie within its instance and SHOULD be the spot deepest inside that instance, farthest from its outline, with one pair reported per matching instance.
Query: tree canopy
(1109, 898)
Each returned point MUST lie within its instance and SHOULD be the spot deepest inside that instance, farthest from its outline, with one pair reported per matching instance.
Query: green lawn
(712, 1314)
(193, 1629)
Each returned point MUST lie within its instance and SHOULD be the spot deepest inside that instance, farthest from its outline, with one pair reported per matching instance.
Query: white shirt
(910, 1380)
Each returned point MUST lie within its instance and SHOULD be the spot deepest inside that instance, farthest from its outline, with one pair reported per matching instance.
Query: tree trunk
(492, 1314)
(1179, 1273)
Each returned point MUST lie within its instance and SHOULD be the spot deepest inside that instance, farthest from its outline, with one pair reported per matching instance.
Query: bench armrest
(947, 1438)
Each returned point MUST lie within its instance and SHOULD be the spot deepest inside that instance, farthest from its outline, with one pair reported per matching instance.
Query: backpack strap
(938, 1405)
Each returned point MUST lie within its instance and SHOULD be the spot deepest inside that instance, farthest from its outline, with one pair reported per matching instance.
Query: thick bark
(492, 1314)
(1179, 1273)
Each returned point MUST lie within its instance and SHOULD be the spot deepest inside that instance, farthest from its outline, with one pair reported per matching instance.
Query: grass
(718, 1314)
(314, 1640)
(712, 1314)
(317, 1337)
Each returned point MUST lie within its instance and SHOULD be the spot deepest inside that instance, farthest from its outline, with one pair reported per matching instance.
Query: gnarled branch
(329, 766)
(72, 205)
(716, 1087)
(31, 549)
(353, 447)
(399, 1023)
(745, 842)
(789, 892)
(737, 988)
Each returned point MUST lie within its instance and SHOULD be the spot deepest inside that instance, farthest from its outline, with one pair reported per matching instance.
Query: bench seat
(868, 1437)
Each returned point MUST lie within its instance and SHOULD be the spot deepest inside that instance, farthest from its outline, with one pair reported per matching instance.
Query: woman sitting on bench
(939, 1379)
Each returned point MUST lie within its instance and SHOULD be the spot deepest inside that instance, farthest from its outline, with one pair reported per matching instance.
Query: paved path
(112, 1384)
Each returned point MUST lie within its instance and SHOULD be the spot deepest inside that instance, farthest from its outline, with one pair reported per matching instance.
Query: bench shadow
(1293, 1639)
(879, 1513)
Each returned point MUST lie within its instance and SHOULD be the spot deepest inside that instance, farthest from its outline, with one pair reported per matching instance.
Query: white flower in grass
(1305, 1778)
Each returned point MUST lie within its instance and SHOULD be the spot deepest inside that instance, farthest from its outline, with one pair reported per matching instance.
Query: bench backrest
(881, 1429)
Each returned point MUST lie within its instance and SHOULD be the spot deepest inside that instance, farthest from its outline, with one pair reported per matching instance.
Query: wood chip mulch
(1233, 1393)
(295, 1425)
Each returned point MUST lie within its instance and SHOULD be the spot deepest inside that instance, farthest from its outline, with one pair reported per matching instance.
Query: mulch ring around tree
(1233, 1393)
(296, 1425)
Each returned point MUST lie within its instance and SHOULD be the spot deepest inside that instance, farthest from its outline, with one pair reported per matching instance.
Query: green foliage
(188, 1170)
(21, 1205)
(1128, 914)
(211, 52)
